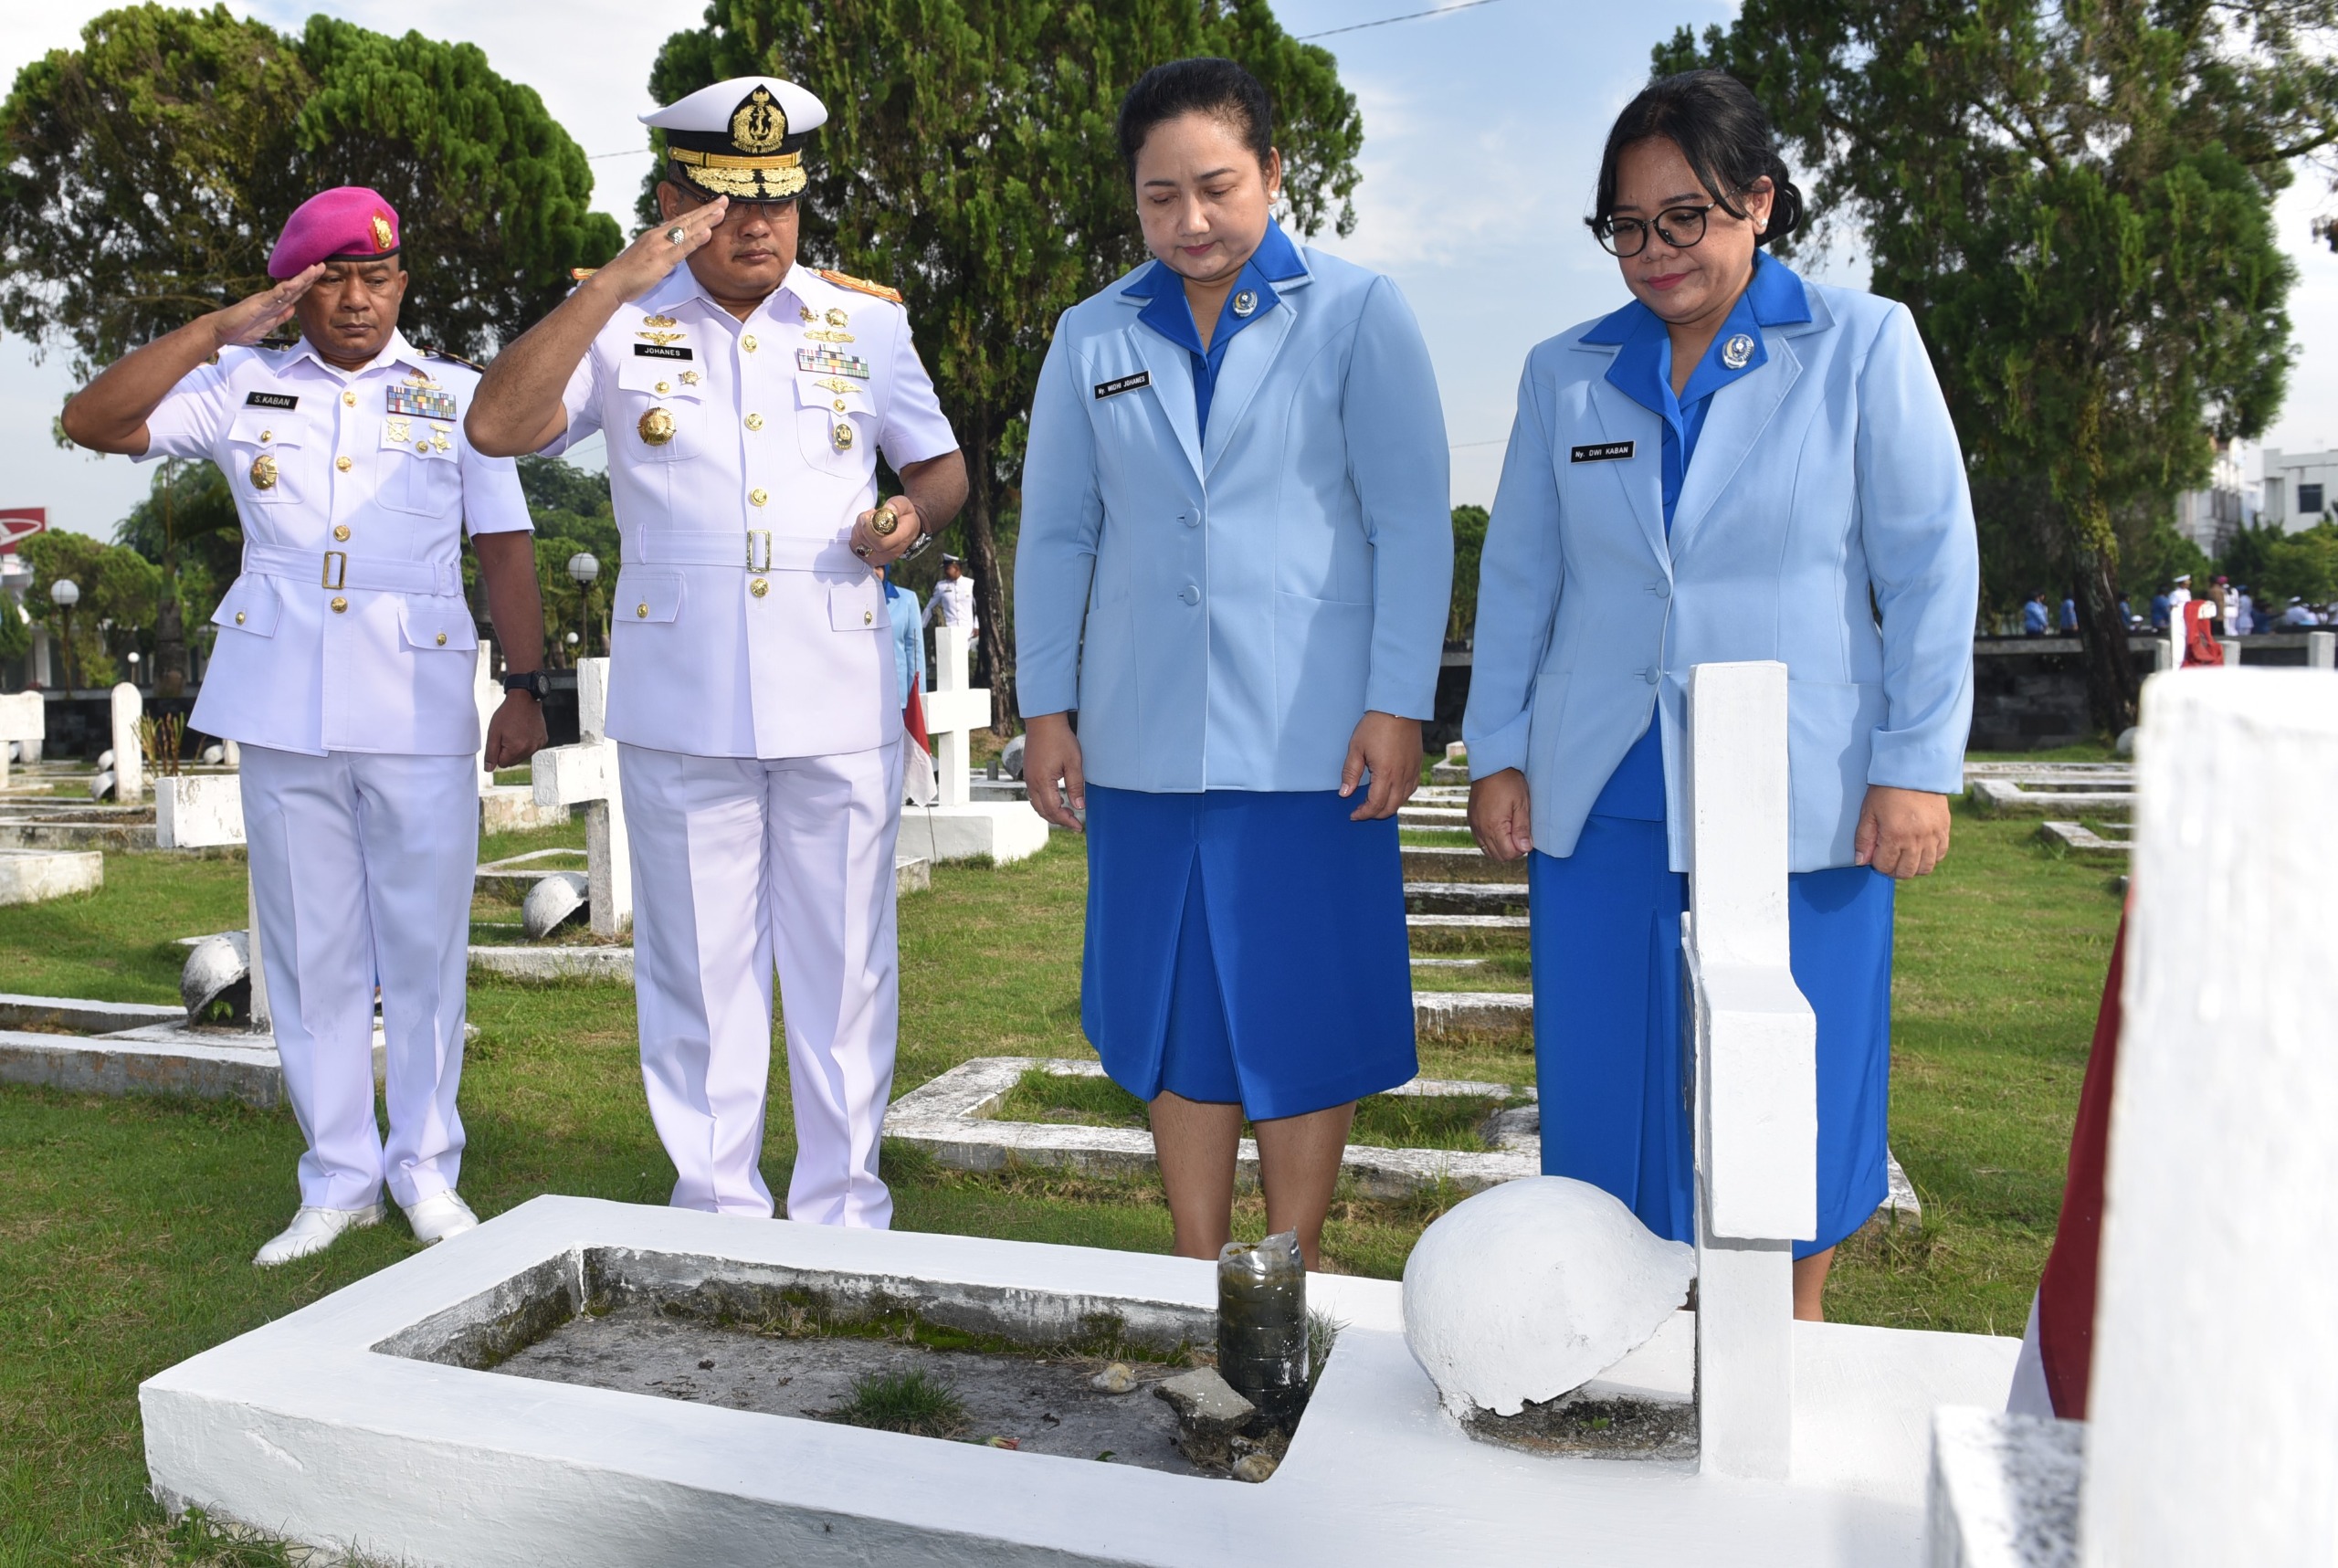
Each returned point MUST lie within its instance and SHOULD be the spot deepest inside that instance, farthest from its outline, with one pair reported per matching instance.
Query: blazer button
(868, 618)
(340, 530)
(758, 496)
(1661, 590)
(442, 639)
(343, 464)
(1190, 519)
(755, 421)
(339, 604)
(348, 400)
(239, 617)
(1651, 675)
(747, 343)
(1190, 594)
(759, 587)
(641, 612)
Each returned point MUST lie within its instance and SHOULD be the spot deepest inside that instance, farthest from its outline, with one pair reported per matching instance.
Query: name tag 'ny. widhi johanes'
(1125, 384)
(1600, 452)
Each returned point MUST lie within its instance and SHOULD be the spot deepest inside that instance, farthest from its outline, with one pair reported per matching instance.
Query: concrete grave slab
(84, 1046)
(2004, 1490)
(194, 810)
(1465, 899)
(1460, 863)
(953, 1117)
(358, 1423)
(37, 876)
(2079, 839)
(2005, 797)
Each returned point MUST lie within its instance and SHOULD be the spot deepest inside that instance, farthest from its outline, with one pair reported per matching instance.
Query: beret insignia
(384, 236)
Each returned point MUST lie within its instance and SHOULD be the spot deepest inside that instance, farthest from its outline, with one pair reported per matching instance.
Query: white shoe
(314, 1230)
(441, 1216)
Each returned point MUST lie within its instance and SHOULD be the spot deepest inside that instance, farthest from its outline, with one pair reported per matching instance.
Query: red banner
(19, 523)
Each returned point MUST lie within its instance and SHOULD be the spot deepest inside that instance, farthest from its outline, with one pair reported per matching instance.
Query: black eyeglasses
(1679, 227)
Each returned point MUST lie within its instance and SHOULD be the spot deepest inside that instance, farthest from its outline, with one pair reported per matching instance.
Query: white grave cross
(129, 755)
(585, 774)
(487, 696)
(954, 708)
(23, 717)
(1756, 1116)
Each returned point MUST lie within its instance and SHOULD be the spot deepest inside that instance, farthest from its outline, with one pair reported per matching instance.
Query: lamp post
(581, 570)
(65, 593)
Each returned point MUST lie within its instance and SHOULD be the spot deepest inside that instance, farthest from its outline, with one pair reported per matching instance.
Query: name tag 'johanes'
(1601, 452)
(660, 350)
(1126, 383)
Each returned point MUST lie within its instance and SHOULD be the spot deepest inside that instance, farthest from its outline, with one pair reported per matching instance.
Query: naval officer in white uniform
(343, 666)
(751, 686)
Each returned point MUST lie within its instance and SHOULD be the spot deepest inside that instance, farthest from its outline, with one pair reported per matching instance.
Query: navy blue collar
(1276, 261)
(1642, 370)
(1775, 297)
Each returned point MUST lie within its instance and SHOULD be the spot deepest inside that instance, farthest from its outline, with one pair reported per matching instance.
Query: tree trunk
(170, 641)
(990, 588)
(2111, 690)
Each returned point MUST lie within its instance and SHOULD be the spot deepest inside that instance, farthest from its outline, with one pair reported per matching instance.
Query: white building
(2210, 518)
(2301, 487)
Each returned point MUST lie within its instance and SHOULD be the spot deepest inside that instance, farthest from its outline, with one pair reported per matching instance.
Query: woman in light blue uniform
(1738, 465)
(1234, 561)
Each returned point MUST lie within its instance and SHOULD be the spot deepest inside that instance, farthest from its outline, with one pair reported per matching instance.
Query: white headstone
(487, 696)
(128, 756)
(585, 774)
(954, 708)
(2322, 650)
(201, 811)
(1756, 1120)
(2210, 1429)
(24, 720)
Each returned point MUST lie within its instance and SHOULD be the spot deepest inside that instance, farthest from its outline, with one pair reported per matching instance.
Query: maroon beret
(348, 222)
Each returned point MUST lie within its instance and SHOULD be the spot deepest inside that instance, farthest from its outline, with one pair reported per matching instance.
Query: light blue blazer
(1828, 475)
(1222, 610)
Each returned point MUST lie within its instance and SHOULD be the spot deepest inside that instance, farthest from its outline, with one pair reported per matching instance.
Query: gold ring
(861, 551)
(676, 235)
(884, 524)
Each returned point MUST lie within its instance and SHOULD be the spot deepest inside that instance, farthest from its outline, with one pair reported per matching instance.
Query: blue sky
(1482, 132)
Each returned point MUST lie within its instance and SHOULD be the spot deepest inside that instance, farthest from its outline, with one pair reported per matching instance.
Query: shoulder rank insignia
(451, 359)
(861, 285)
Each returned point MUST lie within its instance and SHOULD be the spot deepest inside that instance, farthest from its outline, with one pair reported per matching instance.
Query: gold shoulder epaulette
(861, 285)
(457, 358)
(578, 274)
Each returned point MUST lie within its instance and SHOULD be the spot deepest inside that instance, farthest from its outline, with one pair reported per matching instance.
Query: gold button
(840, 405)
(348, 400)
(339, 604)
(239, 617)
(641, 612)
(755, 421)
(341, 530)
(758, 495)
(758, 588)
(866, 617)
(266, 435)
(442, 639)
(748, 344)
(665, 386)
(343, 464)
(422, 445)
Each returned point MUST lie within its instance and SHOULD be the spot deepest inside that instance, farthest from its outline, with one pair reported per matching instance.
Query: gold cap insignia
(384, 238)
(760, 125)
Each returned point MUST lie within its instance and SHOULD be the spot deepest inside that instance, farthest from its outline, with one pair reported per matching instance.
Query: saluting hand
(643, 264)
(248, 321)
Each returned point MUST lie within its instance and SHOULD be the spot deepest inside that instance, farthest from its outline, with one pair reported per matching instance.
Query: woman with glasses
(1737, 465)
(1235, 563)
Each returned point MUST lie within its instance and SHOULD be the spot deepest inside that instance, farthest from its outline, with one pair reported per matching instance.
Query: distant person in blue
(908, 640)
(2033, 616)
(1235, 564)
(1728, 467)
(2162, 610)
(2070, 621)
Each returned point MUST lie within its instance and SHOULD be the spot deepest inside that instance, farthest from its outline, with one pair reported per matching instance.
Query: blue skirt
(1246, 947)
(1609, 1052)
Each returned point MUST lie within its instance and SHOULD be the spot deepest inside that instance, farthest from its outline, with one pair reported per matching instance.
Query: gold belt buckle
(754, 534)
(336, 568)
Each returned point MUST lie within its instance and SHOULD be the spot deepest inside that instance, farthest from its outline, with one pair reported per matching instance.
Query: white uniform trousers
(362, 872)
(738, 864)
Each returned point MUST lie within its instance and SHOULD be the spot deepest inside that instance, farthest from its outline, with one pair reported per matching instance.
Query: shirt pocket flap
(817, 390)
(265, 427)
(652, 596)
(662, 377)
(251, 605)
(857, 607)
(431, 624)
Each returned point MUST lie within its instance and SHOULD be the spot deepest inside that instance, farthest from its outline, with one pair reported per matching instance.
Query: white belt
(339, 569)
(752, 550)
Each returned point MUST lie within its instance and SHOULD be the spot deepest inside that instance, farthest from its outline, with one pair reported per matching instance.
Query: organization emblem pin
(1736, 353)
(263, 471)
(1246, 302)
(656, 427)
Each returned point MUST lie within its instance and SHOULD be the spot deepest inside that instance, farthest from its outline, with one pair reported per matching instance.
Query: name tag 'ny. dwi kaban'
(1600, 452)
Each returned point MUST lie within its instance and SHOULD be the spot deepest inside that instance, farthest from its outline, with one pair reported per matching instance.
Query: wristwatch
(534, 682)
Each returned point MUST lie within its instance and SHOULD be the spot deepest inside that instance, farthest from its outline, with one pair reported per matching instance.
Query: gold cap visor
(767, 179)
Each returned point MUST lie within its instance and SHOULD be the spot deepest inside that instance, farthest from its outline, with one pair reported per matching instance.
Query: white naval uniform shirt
(742, 625)
(953, 604)
(347, 630)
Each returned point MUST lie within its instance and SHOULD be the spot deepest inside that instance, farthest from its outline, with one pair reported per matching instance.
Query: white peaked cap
(709, 110)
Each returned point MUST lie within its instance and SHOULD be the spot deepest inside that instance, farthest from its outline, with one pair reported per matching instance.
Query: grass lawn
(127, 1226)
